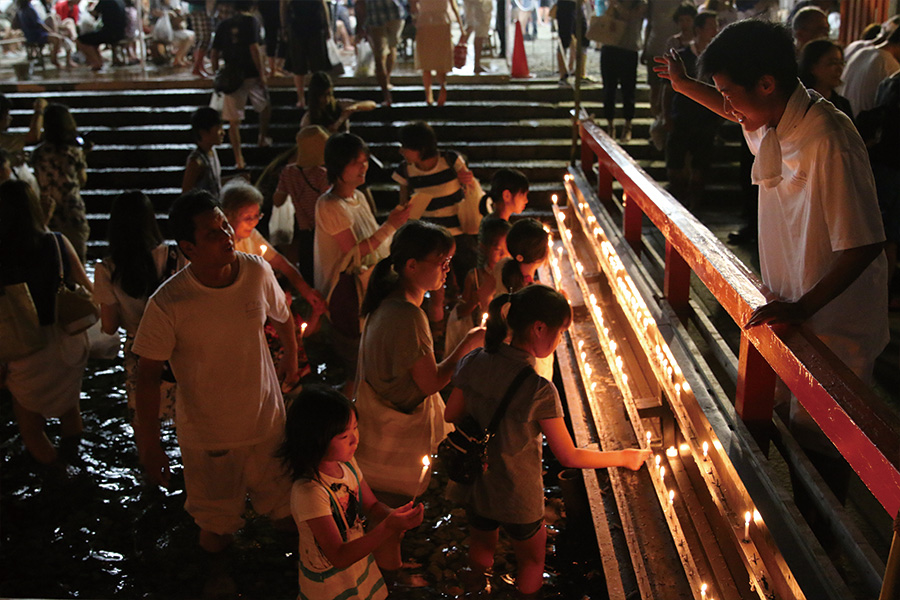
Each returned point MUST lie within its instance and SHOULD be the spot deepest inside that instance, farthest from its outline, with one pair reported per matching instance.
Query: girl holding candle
(510, 494)
(400, 407)
(330, 496)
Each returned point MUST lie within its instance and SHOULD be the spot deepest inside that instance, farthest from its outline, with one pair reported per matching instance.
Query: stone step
(283, 93)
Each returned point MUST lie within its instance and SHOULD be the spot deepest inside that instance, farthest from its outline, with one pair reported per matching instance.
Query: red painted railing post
(677, 281)
(755, 397)
(588, 158)
(632, 220)
(604, 182)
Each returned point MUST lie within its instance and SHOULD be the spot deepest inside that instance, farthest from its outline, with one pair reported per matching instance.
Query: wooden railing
(862, 429)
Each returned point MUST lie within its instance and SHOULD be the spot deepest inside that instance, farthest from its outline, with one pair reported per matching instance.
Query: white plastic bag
(162, 30)
(365, 59)
(281, 225)
(217, 101)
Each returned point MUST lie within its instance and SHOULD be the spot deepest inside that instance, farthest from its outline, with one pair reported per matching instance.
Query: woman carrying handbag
(47, 383)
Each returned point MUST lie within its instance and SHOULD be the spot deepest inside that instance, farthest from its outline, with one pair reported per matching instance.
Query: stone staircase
(141, 136)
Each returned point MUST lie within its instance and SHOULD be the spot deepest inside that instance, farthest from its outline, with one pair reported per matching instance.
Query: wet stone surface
(102, 532)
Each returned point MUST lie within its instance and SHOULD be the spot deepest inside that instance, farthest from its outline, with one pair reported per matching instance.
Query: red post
(632, 220)
(588, 158)
(604, 183)
(677, 281)
(755, 398)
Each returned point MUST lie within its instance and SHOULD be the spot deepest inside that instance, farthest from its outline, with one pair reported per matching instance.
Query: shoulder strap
(507, 398)
(59, 258)
(306, 179)
(336, 506)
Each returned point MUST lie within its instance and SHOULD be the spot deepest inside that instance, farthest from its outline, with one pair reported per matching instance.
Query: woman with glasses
(398, 391)
(241, 204)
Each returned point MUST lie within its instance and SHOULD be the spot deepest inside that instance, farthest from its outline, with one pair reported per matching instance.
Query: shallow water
(107, 534)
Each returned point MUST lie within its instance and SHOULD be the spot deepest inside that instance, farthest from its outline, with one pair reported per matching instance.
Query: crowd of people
(196, 353)
(447, 262)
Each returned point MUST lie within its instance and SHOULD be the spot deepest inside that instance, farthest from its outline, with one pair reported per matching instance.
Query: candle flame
(484, 318)
(747, 516)
(705, 448)
(671, 496)
(426, 462)
(263, 248)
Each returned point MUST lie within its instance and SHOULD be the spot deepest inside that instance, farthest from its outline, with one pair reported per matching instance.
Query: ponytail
(526, 307)
(511, 275)
(496, 329)
(382, 283)
(483, 207)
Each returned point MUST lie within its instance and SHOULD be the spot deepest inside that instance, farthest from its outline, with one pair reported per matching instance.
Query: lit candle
(705, 449)
(484, 318)
(747, 516)
(671, 497)
(580, 344)
(262, 249)
(426, 463)
(624, 379)
(302, 329)
(658, 460)
(554, 198)
(562, 217)
(662, 475)
(703, 591)
(671, 452)
(649, 436)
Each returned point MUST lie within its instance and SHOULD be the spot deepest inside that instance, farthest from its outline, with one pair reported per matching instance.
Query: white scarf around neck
(767, 165)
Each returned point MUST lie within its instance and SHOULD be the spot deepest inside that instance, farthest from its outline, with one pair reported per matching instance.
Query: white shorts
(478, 16)
(217, 483)
(234, 103)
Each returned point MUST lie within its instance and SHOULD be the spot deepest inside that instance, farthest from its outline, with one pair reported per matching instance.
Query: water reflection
(107, 534)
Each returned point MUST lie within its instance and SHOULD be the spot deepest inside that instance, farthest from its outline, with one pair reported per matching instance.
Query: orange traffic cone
(519, 69)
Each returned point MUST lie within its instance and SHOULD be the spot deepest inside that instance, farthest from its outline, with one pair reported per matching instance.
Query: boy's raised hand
(670, 66)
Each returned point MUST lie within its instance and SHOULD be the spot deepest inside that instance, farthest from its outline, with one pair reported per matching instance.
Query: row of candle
(638, 314)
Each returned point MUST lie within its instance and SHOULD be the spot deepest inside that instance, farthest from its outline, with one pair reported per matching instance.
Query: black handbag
(228, 80)
(464, 451)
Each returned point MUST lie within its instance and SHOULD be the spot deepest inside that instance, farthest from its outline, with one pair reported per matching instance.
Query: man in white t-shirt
(820, 233)
(207, 320)
(867, 68)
